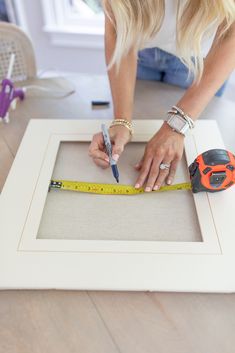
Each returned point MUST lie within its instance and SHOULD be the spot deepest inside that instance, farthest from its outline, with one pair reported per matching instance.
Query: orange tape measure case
(213, 171)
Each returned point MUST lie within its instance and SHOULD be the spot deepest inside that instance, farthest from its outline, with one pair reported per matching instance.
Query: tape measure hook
(55, 185)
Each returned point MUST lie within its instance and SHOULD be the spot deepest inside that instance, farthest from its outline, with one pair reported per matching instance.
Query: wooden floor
(100, 322)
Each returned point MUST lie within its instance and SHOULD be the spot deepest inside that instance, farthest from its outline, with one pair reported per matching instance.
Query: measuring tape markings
(109, 189)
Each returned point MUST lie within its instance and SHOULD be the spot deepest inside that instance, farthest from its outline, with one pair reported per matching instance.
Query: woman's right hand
(119, 136)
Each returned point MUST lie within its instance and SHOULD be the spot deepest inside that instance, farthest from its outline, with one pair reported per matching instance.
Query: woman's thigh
(157, 65)
(177, 73)
(148, 68)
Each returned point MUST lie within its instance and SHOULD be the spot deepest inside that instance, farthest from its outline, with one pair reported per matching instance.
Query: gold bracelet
(123, 122)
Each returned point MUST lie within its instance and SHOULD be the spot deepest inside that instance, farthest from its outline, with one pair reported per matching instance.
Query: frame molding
(27, 262)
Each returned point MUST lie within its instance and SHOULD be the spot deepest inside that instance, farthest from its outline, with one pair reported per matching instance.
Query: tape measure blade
(175, 187)
(110, 189)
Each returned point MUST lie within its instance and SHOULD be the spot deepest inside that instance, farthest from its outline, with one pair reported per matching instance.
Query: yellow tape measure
(109, 189)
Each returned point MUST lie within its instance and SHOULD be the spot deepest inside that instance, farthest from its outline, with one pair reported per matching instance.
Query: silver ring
(164, 166)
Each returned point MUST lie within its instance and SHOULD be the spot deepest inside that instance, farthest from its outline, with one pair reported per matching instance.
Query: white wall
(54, 57)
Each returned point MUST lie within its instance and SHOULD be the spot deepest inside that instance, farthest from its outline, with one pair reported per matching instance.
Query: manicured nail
(156, 187)
(116, 157)
(169, 181)
(148, 189)
(137, 186)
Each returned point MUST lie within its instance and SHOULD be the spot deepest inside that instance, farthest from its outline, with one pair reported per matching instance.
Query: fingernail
(107, 159)
(137, 165)
(169, 181)
(156, 187)
(137, 186)
(116, 157)
(148, 189)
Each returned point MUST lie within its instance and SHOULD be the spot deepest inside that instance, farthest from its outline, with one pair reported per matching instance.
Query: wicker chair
(14, 40)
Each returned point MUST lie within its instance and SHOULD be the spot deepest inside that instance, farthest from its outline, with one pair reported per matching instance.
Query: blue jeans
(155, 64)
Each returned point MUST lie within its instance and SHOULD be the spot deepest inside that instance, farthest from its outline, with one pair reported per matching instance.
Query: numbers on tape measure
(109, 189)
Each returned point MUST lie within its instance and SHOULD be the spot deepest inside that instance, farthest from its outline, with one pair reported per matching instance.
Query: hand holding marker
(108, 146)
(212, 171)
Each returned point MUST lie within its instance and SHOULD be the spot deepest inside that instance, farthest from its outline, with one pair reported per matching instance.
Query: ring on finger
(164, 166)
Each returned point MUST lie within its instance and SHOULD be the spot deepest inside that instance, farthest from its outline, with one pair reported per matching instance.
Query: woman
(190, 43)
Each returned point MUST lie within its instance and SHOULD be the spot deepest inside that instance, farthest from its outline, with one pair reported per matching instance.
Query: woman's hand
(119, 136)
(166, 146)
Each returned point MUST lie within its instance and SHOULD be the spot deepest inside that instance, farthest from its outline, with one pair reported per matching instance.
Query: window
(87, 7)
(74, 22)
(8, 11)
(3, 11)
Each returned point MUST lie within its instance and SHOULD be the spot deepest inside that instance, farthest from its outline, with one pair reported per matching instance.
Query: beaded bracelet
(123, 122)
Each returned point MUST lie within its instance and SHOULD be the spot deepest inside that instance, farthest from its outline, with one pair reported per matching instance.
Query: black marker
(108, 146)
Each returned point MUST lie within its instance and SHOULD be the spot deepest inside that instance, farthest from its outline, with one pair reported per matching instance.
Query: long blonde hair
(137, 21)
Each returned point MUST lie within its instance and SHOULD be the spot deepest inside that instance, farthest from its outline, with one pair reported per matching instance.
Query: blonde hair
(137, 21)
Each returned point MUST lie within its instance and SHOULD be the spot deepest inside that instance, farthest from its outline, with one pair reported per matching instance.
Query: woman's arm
(122, 84)
(167, 146)
(123, 81)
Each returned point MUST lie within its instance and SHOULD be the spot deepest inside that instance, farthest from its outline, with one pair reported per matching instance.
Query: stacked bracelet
(179, 121)
(123, 122)
(177, 111)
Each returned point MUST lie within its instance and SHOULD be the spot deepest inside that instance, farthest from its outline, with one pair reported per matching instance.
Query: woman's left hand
(166, 146)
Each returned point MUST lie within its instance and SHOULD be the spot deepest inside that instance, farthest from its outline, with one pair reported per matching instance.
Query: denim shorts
(155, 64)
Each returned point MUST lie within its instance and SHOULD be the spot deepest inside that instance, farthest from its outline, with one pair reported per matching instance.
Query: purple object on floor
(7, 95)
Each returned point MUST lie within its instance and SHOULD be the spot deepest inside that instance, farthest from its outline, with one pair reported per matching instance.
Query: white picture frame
(31, 263)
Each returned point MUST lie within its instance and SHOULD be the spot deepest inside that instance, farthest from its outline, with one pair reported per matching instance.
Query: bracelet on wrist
(123, 122)
(176, 110)
(179, 121)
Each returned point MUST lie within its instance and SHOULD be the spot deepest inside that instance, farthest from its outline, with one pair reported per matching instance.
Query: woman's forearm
(219, 64)
(122, 82)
